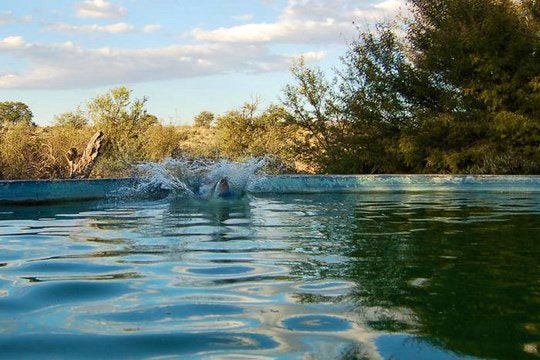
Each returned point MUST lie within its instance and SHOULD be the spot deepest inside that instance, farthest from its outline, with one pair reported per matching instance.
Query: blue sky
(186, 56)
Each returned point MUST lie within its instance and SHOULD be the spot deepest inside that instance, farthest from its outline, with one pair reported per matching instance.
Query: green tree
(14, 112)
(487, 52)
(430, 94)
(315, 107)
(344, 128)
(487, 49)
(246, 132)
(204, 119)
(235, 130)
(74, 119)
(124, 122)
(21, 152)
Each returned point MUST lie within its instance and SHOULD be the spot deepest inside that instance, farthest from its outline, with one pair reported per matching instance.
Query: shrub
(21, 152)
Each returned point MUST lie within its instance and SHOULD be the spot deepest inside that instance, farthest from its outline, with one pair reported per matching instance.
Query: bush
(21, 152)
(161, 141)
(246, 133)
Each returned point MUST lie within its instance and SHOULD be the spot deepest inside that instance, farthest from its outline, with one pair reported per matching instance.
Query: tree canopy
(455, 88)
(204, 119)
(14, 112)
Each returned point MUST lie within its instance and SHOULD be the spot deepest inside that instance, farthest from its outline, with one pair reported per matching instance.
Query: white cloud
(243, 33)
(246, 48)
(67, 65)
(12, 42)
(390, 5)
(313, 55)
(8, 18)
(101, 9)
(381, 10)
(116, 28)
(291, 31)
(305, 21)
(151, 28)
(244, 17)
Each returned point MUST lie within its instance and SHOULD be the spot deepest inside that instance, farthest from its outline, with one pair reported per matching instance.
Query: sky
(185, 56)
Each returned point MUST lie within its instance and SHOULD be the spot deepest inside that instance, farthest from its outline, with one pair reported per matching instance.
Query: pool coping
(59, 190)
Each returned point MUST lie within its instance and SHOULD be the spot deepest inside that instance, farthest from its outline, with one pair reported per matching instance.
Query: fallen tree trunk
(81, 164)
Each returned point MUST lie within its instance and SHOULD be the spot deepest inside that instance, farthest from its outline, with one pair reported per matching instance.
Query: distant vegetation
(453, 89)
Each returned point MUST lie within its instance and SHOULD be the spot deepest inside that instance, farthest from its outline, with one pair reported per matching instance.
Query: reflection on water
(369, 276)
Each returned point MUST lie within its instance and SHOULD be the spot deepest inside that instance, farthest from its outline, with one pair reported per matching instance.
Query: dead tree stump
(81, 164)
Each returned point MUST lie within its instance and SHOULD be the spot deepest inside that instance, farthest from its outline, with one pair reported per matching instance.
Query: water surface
(320, 276)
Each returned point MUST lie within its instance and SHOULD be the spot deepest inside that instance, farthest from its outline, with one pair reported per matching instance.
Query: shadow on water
(441, 271)
(411, 275)
(68, 346)
(45, 211)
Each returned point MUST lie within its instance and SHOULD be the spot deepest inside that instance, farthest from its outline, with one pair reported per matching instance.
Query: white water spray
(197, 178)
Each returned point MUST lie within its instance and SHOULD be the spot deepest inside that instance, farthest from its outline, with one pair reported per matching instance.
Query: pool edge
(46, 191)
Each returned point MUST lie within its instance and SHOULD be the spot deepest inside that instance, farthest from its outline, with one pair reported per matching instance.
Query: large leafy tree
(75, 119)
(204, 119)
(487, 49)
(124, 121)
(247, 132)
(14, 112)
(486, 52)
(441, 92)
(316, 108)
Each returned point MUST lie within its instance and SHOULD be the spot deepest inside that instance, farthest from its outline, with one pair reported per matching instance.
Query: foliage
(133, 135)
(124, 122)
(245, 133)
(74, 119)
(448, 91)
(485, 48)
(30, 152)
(14, 112)
(346, 129)
(454, 89)
(198, 142)
(204, 119)
(58, 139)
(21, 155)
(161, 141)
(315, 108)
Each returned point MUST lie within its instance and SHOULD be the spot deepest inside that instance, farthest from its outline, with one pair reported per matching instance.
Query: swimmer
(223, 189)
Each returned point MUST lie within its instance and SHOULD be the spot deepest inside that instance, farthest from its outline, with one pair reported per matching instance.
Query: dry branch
(81, 164)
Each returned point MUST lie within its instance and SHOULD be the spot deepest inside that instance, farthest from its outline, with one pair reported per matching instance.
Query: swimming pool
(383, 274)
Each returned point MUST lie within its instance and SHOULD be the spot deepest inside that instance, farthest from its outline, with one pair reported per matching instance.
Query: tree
(246, 132)
(14, 112)
(235, 130)
(429, 95)
(488, 52)
(487, 49)
(343, 120)
(21, 155)
(204, 119)
(124, 122)
(315, 107)
(74, 119)
(116, 108)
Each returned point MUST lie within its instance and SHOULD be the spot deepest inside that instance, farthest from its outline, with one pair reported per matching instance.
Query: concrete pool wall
(39, 191)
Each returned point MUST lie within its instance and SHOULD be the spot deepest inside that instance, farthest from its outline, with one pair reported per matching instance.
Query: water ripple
(273, 276)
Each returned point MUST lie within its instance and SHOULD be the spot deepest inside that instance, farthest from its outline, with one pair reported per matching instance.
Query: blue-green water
(321, 276)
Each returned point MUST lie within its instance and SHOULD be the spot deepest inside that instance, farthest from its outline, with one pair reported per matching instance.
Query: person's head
(223, 186)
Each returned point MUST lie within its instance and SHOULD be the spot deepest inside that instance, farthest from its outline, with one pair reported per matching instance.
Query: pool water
(400, 275)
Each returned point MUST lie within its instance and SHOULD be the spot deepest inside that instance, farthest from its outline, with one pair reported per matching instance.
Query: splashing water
(197, 178)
